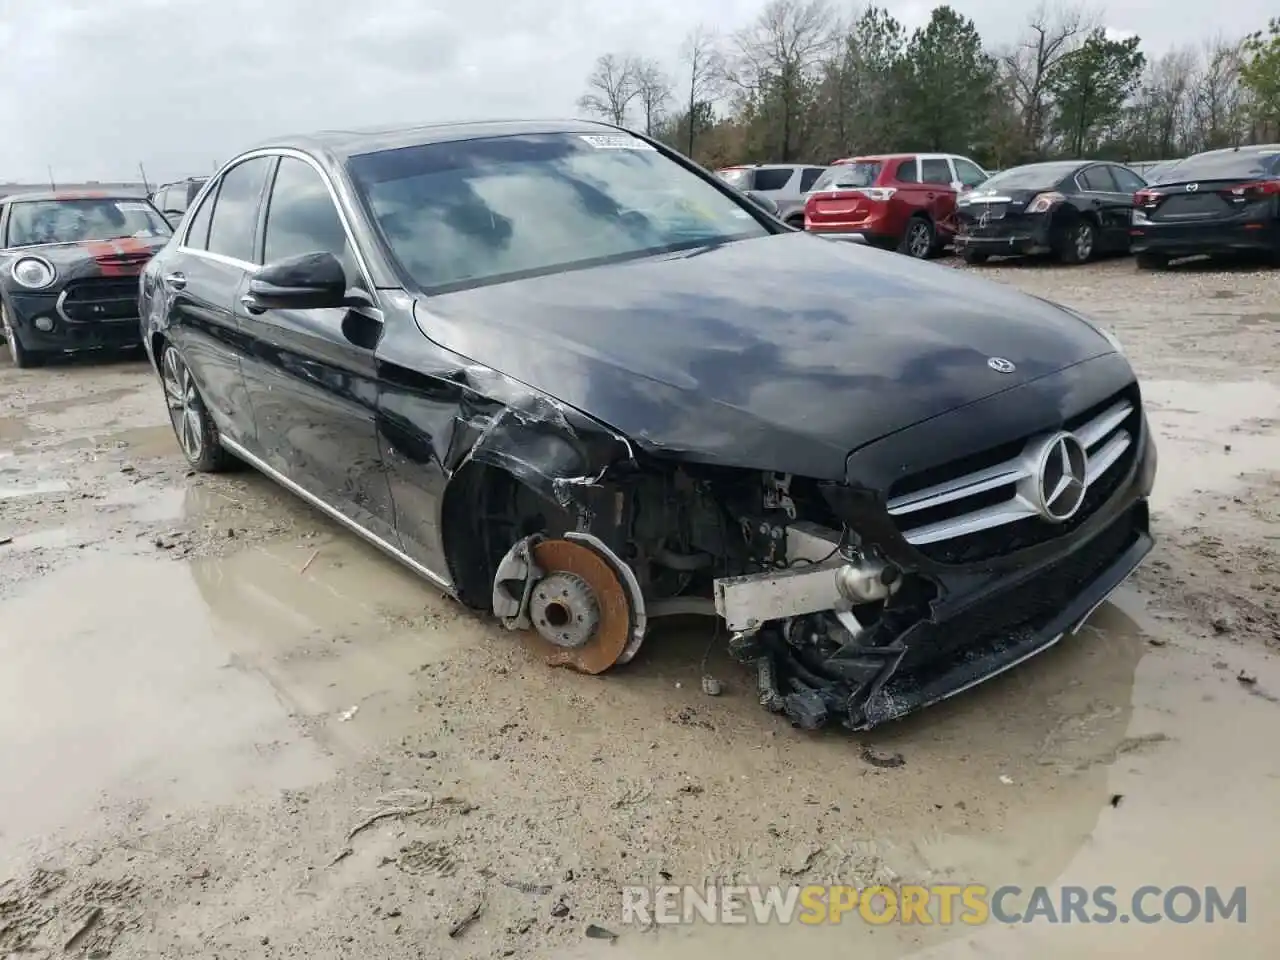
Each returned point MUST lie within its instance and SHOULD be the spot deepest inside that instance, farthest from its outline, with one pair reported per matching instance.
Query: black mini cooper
(579, 383)
(69, 265)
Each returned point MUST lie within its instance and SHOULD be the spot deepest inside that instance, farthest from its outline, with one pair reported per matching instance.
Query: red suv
(903, 201)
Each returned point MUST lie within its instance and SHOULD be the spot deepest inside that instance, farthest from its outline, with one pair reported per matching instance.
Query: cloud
(92, 87)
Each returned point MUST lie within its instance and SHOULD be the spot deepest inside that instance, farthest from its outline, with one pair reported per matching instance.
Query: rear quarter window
(907, 172)
(772, 179)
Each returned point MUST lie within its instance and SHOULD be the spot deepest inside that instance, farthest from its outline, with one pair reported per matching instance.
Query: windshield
(1034, 176)
(848, 176)
(1225, 165)
(483, 211)
(34, 222)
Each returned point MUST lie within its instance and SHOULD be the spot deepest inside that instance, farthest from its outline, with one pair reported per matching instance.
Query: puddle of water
(147, 504)
(1199, 783)
(40, 488)
(157, 441)
(1208, 434)
(177, 684)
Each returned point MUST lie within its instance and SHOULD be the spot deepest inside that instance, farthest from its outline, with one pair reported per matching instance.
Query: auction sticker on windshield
(615, 143)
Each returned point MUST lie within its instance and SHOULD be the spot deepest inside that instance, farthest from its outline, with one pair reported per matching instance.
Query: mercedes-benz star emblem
(1192, 187)
(1060, 488)
(1001, 365)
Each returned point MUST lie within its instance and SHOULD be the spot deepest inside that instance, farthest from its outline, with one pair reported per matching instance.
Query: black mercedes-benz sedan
(576, 381)
(69, 265)
(1072, 209)
(1214, 203)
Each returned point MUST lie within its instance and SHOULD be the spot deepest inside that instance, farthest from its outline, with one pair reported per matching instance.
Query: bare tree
(776, 62)
(1217, 103)
(653, 90)
(704, 62)
(1052, 33)
(611, 87)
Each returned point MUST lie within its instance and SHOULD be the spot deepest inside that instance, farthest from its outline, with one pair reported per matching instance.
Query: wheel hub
(564, 610)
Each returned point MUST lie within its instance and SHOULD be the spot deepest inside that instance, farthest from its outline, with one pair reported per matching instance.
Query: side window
(1127, 180)
(774, 179)
(935, 171)
(970, 174)
(907, 172)
(810, 177)
(198, 232)
(235, 216)
(301, 217)
(1097, 180)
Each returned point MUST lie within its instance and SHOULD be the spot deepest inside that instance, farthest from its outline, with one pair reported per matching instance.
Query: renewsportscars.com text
(939, 904)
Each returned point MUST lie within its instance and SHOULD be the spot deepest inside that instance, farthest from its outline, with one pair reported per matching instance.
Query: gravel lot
(207, 687)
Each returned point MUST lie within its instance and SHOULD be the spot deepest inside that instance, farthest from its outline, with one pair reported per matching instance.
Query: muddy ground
(206, 687)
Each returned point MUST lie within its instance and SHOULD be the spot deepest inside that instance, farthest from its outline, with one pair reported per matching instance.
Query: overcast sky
(92, 87)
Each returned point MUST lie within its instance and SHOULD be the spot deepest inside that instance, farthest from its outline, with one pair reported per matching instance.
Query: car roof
(68, 195)
(343, 144)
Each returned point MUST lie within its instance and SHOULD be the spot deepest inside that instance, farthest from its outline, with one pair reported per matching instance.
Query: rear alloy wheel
(1152, 261)
(918, 241)
(22, 358)
(1078, 242)
(197, 435)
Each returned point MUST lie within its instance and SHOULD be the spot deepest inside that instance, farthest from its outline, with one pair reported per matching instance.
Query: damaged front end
(842, 621)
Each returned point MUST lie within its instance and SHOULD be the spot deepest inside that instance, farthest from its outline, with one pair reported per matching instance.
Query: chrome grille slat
(1107, 455)
(1097, 429)
(985, 519)
(1104, 436)
(989, 479)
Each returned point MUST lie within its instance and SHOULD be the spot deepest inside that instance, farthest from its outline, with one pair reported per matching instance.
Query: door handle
(250, 303)
(176, 280)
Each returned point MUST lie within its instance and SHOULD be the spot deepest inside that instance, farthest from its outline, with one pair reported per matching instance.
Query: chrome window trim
(275, 152)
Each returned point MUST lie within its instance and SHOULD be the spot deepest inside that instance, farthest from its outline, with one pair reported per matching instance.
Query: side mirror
(309, 281)
(764, 203)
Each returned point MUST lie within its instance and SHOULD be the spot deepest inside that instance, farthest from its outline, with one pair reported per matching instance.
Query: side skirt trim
(394, 552)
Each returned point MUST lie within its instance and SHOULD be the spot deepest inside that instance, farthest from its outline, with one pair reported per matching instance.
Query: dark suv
(172, 199)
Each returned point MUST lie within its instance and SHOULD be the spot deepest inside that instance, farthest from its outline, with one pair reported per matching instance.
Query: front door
(203, 277)
(311, 375)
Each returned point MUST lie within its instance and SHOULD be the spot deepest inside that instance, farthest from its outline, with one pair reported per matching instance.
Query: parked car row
(1218, 202)
(544, 366)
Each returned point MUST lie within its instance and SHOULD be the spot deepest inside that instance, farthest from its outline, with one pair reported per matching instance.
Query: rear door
(204, 278)
(938, 195)
(311, 374)
(1112, 205)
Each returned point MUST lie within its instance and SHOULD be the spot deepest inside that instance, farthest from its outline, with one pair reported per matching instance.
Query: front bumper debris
(863, 685)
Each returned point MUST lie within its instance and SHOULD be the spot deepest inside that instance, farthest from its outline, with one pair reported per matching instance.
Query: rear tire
(975, 257)
(22, 358)
(194, 428)
(919, 241)
(1151, 261)
(1079, 242)
(796, 222)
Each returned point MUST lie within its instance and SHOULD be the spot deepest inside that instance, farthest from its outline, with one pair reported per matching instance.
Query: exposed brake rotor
(579, 609)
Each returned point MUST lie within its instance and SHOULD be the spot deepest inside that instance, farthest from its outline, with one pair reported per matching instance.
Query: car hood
(123, 256)
(782, 353)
